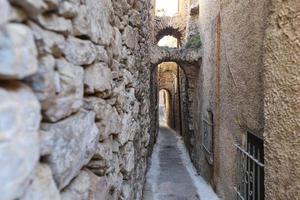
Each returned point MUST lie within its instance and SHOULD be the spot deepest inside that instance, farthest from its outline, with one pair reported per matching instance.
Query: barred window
(250, 166)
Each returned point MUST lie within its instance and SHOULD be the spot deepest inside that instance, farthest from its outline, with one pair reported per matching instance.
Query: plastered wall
(231, 85)
(282, 100)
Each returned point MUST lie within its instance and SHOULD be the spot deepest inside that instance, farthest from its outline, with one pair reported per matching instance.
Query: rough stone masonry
(73, 110)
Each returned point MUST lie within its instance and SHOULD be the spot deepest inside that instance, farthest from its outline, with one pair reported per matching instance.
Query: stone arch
(176, 33)
(189, 61)
(174, 26)
(176, 120)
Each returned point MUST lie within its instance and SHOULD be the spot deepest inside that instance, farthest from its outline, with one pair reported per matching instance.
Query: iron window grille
(207, 138)
(250, 168)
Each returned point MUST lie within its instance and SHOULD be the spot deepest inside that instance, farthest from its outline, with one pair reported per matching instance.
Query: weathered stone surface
(128, 130)
(43, 82)
(78, 188)
(69, 91)
(115, 180)
(102, 55)
(80, 52)
(47, 41)
(135, 18)
(68, 9)
(19, 123)
(42, 186)
(74, 143)
(81, 25)
(99, 16)
(93, 20)
(34, 7)
(108, 120)
(101, 161)
(97, 78)
(31, 6)
(117, 44)
(5, 10)
(100, 188)
(17, 52)
(52, 4)
(17, 15)
(121, 8)
(126, 190)
(88, 186)
(128, 159)
(130, 37)
(163, 54)
(55, 23)
(73, 38)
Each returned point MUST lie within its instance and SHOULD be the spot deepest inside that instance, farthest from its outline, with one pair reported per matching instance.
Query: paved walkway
(171, 175)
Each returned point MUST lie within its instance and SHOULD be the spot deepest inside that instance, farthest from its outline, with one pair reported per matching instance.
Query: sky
(169, 6)
(168, 41)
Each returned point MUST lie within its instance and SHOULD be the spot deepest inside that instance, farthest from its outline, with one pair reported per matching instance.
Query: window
(250, 166)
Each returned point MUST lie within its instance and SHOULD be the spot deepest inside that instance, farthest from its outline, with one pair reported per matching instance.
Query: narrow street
(150, 100)
(171, 175)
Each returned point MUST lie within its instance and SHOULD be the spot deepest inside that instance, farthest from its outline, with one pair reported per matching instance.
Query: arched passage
(170, 77)
(170, 31)
(180, 81)
(164, 107)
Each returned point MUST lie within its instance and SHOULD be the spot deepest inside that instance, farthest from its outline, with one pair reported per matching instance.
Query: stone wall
(74, 94)
(282, 100)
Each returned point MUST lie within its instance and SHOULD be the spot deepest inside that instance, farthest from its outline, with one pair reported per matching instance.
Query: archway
(169, 31)
(171, 78)
(164, 107)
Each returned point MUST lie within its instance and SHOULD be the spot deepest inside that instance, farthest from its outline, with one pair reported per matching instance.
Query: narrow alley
(171, 175)
(149, 100)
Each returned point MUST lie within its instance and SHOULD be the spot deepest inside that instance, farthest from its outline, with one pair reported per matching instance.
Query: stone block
(48, 42)
(55, 23)
(78, 188)
(74, 143)
(69, 91)
(5, 10)
(43, 186)
(108, 120)
(80, 52)
(19, 151)
(97, 78)
(17, 52)
(43, 82)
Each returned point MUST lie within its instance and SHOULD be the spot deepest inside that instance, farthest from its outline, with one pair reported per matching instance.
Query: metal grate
(250, 166)
(207, 140)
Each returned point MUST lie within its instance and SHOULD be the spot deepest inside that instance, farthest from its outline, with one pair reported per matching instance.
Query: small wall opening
(169, 96)
(168, 41)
